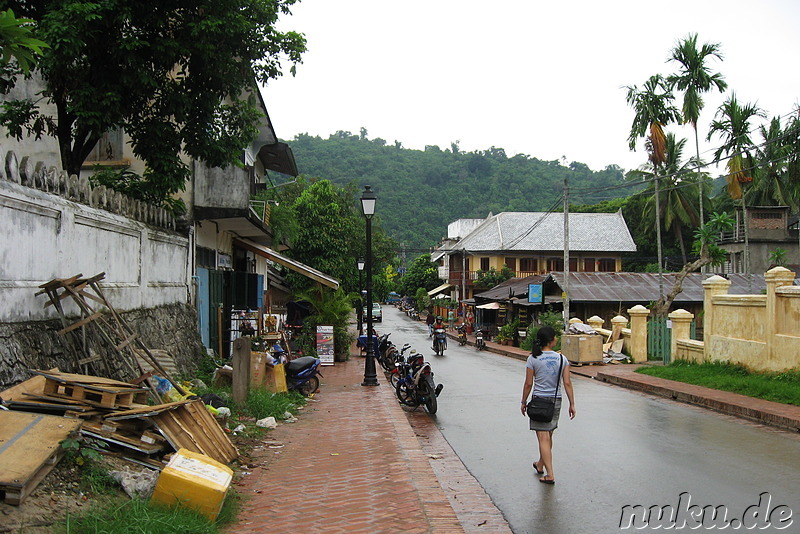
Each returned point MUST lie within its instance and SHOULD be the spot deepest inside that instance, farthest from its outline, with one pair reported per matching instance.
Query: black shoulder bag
(542, 409)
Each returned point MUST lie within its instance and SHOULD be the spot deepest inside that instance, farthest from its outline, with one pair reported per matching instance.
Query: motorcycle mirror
(413, 352)
(406, 346)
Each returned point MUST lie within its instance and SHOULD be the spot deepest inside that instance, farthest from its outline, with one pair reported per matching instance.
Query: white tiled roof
(534, 231)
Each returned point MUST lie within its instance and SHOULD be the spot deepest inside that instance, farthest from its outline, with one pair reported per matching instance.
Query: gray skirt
(553, 424)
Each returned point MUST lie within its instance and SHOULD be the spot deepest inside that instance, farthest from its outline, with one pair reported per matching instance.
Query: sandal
(538, 471)
(545, 480)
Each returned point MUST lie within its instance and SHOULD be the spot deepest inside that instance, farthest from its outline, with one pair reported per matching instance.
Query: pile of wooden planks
(102, 409)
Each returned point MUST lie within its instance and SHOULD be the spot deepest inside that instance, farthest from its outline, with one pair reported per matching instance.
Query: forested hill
(421, 191)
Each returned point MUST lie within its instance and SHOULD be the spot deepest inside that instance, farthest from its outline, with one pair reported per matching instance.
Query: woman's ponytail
(544, 336)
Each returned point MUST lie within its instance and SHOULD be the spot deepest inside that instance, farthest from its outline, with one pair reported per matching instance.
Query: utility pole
(566, 254)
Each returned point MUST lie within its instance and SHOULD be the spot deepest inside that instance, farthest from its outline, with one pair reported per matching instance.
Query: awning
(489, 306)
(296, 266)
(438, 289)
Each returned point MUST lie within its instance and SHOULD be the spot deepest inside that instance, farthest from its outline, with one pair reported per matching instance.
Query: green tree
(679, 202)
(173, 76)
(18, 43)
(732, 125)
(653, 109)
(694, 78)
(422, 273)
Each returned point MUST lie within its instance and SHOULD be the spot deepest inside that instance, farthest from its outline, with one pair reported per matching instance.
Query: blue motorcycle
(301, 375)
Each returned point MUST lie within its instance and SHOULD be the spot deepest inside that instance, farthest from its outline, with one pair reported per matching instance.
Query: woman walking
(543, 371)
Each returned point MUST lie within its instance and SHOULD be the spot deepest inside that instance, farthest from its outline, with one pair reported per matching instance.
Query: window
(607, 265)
(108, 149)
(206, 258)
(511, 263)
(484, 264)
(528, 265)
(588, 265)
(555, 264)
(573, 265)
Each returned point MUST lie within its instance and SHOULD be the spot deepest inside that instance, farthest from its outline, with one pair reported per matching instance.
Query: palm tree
(679, 205)
(654, 109)
(694, 79)
(771, 184)
(732, 124)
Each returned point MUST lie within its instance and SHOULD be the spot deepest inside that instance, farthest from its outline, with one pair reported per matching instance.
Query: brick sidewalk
(352, 463)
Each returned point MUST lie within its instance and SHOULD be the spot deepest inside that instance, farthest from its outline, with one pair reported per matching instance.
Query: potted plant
(507, 331)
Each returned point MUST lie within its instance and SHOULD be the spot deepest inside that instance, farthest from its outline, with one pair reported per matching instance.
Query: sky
(544, 79)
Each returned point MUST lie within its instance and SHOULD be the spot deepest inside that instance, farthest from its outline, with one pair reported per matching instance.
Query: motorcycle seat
(300, 364)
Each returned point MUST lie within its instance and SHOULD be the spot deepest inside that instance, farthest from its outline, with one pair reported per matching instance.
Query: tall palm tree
(732, 124)
(694, 78)
(771, 184)
(679, 203)
(653, 107)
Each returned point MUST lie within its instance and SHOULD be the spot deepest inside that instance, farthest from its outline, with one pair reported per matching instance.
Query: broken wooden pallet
(97, 391)
(30, 446)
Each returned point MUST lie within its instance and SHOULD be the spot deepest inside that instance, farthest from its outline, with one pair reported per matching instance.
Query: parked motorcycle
(439, 341)
(301, 375)
(399, 360)
(480, 344)
(416, 386)
(462, 334)
(386, 353)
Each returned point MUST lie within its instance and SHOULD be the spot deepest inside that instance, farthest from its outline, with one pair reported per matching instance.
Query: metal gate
(658, 339)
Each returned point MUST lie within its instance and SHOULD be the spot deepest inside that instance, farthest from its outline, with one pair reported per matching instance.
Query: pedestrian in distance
(429, 321)
(542, 374)
(451, 317)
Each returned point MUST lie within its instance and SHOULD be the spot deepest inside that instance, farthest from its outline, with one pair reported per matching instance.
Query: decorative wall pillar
(638, 345)
(595, 322)
(681, 328)
(775, 278)
(714, 285)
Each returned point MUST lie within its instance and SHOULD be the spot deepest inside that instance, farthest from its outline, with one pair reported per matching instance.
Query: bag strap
(558, 376)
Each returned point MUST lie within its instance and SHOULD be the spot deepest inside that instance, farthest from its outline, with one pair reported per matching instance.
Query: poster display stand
(325, 344)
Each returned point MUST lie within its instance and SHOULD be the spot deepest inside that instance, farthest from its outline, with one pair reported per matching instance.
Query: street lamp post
(360, 312)
(368, 209)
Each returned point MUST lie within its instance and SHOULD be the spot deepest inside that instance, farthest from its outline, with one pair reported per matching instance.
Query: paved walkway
(358, 462)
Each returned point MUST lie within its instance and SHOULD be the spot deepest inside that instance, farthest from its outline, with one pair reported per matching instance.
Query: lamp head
(360, 262)
(368, 202)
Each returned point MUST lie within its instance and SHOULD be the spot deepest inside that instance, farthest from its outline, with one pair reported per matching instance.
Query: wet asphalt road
(623, 448)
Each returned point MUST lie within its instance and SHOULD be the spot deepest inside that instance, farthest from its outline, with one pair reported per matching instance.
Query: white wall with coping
(45, 235)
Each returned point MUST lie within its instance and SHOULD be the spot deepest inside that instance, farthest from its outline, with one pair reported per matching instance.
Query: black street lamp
(368, 208)
(360, 312)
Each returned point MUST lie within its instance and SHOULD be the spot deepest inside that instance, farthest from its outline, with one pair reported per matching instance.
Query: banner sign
(535, 293)
(325, 344)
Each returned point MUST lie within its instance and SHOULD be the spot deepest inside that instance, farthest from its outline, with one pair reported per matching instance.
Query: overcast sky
(544, 79)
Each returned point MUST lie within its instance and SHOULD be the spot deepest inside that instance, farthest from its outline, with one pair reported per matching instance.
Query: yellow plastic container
(193, 480)
(275, 379)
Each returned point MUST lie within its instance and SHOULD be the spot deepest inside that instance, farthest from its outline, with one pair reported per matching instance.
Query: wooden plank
(192, 427)
(82, 322)
(34, 384)
(127, 342)
(58, 282)
(29, 449)
(146, 411)
(96, 381)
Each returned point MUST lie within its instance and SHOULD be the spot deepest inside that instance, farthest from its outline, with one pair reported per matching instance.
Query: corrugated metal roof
(643, 287)
(511, 287)
(534, 231)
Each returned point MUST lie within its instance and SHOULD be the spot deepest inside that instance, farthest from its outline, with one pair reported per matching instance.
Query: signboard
(325, 344)
(535, 293)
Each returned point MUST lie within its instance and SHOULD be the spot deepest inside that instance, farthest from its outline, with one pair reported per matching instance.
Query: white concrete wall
(45, 236)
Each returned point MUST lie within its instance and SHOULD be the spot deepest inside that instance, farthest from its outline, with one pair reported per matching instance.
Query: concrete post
(595, 322)
(681, 329)
(618, 322)
(714, 285)
(638, 345)
(575, 320)
(775, 278)
(241, 368)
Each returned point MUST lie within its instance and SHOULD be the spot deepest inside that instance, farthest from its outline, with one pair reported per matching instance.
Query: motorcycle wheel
(309, 387)
(404, 394)
(431, 404)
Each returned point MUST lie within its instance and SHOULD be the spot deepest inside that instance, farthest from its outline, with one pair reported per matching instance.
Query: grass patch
(262, 403)
(141, 516)
(781, 387)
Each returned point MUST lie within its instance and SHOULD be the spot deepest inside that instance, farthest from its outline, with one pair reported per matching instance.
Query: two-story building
(529, 243)
(769, 228)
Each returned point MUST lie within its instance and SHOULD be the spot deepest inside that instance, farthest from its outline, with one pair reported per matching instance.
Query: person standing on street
(542, 373)
(451, 317)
